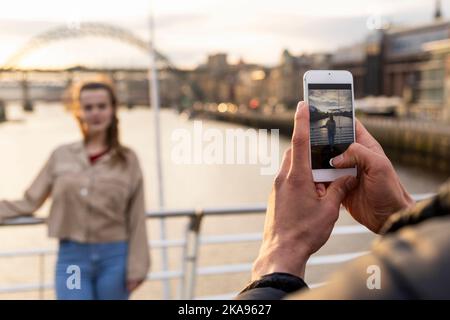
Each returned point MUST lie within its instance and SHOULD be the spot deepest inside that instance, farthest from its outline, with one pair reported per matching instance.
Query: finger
(355, 155)
(321, 189)
(366, 139)
(338, 189)
(300, 166)
(285, 164)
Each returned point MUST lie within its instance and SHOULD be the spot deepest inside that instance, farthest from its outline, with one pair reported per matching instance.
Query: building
(353, 59)
(410, 63)
(285, 84)
(407, 62)
(433, 89)
(213, 81)
(406, 59)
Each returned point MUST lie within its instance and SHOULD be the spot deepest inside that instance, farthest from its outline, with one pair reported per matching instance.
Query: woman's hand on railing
(133, 285)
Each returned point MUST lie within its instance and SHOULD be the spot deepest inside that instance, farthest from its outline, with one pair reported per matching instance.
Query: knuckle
(287, 153)
(377, 145)
(354, 147)
(383, 165)
(278, 181)
(293, 180)
(298, 140)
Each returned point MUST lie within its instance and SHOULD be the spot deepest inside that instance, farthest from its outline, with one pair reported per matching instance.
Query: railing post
(190, 255)
(41, 275)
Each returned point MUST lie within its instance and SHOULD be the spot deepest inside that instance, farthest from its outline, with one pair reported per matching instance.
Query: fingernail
(336, 160)
(299, 105)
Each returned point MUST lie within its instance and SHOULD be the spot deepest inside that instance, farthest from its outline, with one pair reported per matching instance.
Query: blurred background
(231, 64)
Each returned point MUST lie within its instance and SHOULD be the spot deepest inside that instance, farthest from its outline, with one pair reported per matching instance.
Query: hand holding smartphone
(329, 95)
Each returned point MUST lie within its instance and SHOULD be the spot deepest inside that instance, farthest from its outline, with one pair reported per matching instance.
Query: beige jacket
(91, 203)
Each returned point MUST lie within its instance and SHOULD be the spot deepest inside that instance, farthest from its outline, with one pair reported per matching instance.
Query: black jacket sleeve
(272, 286)
(262, 294)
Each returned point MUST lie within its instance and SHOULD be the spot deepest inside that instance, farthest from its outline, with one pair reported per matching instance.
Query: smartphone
(329, 95)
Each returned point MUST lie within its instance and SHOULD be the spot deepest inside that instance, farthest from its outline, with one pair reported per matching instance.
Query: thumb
(339, 188)
(355, 155)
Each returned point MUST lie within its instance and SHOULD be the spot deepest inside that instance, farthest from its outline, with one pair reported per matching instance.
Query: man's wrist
(289, 259)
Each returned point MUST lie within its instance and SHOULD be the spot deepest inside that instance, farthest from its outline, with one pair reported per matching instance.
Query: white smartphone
(329, 95)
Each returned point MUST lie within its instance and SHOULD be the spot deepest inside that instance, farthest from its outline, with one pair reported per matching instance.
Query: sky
(187, 31)
(326, 99)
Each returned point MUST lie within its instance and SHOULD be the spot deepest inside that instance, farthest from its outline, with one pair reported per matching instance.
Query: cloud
(330, 99)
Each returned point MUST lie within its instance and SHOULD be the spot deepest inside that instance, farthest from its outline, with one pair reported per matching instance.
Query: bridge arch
(82, 30)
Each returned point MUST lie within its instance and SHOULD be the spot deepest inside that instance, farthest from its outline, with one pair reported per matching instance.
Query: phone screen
(331, 122)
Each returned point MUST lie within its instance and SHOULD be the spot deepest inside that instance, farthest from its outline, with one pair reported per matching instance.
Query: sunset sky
(326, 99)
(186, 31)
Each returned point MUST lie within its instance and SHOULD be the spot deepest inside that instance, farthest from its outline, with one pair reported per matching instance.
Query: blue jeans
(331, 135)
(86, 271)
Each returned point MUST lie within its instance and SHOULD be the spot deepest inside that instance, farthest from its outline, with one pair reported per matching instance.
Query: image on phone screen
(331, 122)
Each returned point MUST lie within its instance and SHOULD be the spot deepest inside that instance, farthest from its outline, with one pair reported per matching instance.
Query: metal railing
(190, 244)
